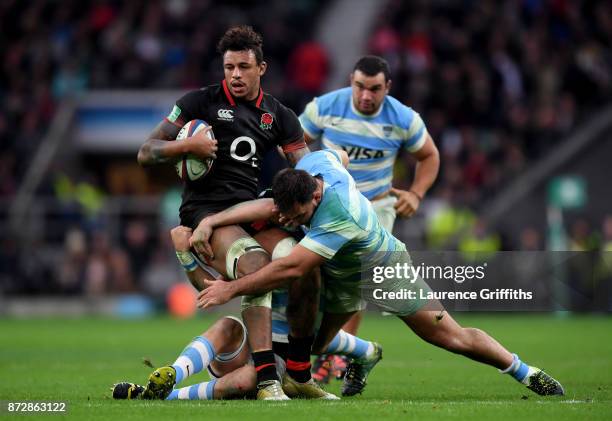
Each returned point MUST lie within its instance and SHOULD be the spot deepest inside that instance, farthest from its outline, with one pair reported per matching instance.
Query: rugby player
(221, 348)
(247, 122)
(346, 239)
(372, 127)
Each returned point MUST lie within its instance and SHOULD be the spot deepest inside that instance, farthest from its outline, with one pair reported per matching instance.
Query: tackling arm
(253, 210)
(273, 275)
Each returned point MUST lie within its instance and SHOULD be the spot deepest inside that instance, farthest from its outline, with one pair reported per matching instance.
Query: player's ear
(388, 87)
(263, 66)
(351, 77)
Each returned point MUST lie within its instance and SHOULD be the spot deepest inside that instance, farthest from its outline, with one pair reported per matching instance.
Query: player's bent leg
(362, 356)
(331, 323)
(352, 326)
(440, 329)
(237, 254)
(242, 383)
(234, 352)
(342, 301)
(339, 363)
(237, 384)
(331, 339)
(302, 308)
(232, 375)
(226, 335)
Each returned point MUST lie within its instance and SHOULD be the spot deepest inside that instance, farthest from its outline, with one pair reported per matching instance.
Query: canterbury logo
(227, 115)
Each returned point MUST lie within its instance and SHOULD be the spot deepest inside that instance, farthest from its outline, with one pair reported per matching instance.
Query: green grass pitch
(77, 361)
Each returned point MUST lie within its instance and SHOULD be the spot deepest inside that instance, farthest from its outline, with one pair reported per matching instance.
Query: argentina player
(346, 239)
(372, 127)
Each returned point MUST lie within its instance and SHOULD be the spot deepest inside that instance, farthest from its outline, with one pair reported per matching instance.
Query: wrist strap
(416, 194)
(187, 260)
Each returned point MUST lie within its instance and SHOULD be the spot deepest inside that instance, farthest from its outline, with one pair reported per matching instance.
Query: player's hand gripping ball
(191, 167)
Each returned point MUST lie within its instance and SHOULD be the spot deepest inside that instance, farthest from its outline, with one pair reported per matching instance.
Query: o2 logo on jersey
(243, 148)
(355, 152)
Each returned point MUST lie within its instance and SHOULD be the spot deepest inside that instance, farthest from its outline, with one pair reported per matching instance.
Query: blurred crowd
(51, 50)
(497, 83)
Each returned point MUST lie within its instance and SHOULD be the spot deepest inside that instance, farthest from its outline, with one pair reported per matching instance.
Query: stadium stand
(498, 85)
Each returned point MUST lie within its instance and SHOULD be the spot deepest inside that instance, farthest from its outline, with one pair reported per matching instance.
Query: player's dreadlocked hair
(291, 186)
(241, 38)
(373, 65)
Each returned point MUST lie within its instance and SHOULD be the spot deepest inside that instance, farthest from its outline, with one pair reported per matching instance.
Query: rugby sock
(519, 370)
(265, 365)
(298, 358)
(353, 347)
(200, 391)
(194, 358)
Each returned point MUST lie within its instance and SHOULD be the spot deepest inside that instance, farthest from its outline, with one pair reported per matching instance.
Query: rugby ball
(190, 167)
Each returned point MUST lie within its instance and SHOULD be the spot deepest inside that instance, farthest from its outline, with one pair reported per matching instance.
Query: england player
(222, 348)
(345, 237)
(373, 127)
(247, 123)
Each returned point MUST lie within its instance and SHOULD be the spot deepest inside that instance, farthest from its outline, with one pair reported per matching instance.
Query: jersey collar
(231, 99)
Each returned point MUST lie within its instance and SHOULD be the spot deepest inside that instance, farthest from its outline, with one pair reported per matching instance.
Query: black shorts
(191, 214)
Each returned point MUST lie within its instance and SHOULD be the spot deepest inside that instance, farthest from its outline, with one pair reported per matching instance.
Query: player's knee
(251, 262)
(232, 329)
(225, 334)
(283, 248)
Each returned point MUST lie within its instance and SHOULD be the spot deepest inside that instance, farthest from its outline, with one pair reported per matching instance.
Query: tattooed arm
(159, 148)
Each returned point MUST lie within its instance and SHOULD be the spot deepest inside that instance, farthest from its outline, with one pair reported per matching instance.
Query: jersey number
(249, 154)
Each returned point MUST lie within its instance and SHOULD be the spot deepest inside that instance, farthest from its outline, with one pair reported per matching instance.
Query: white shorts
(385, 211)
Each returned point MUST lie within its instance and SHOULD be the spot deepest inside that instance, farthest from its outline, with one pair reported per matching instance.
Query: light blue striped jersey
(371, 141)
(344, 227)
